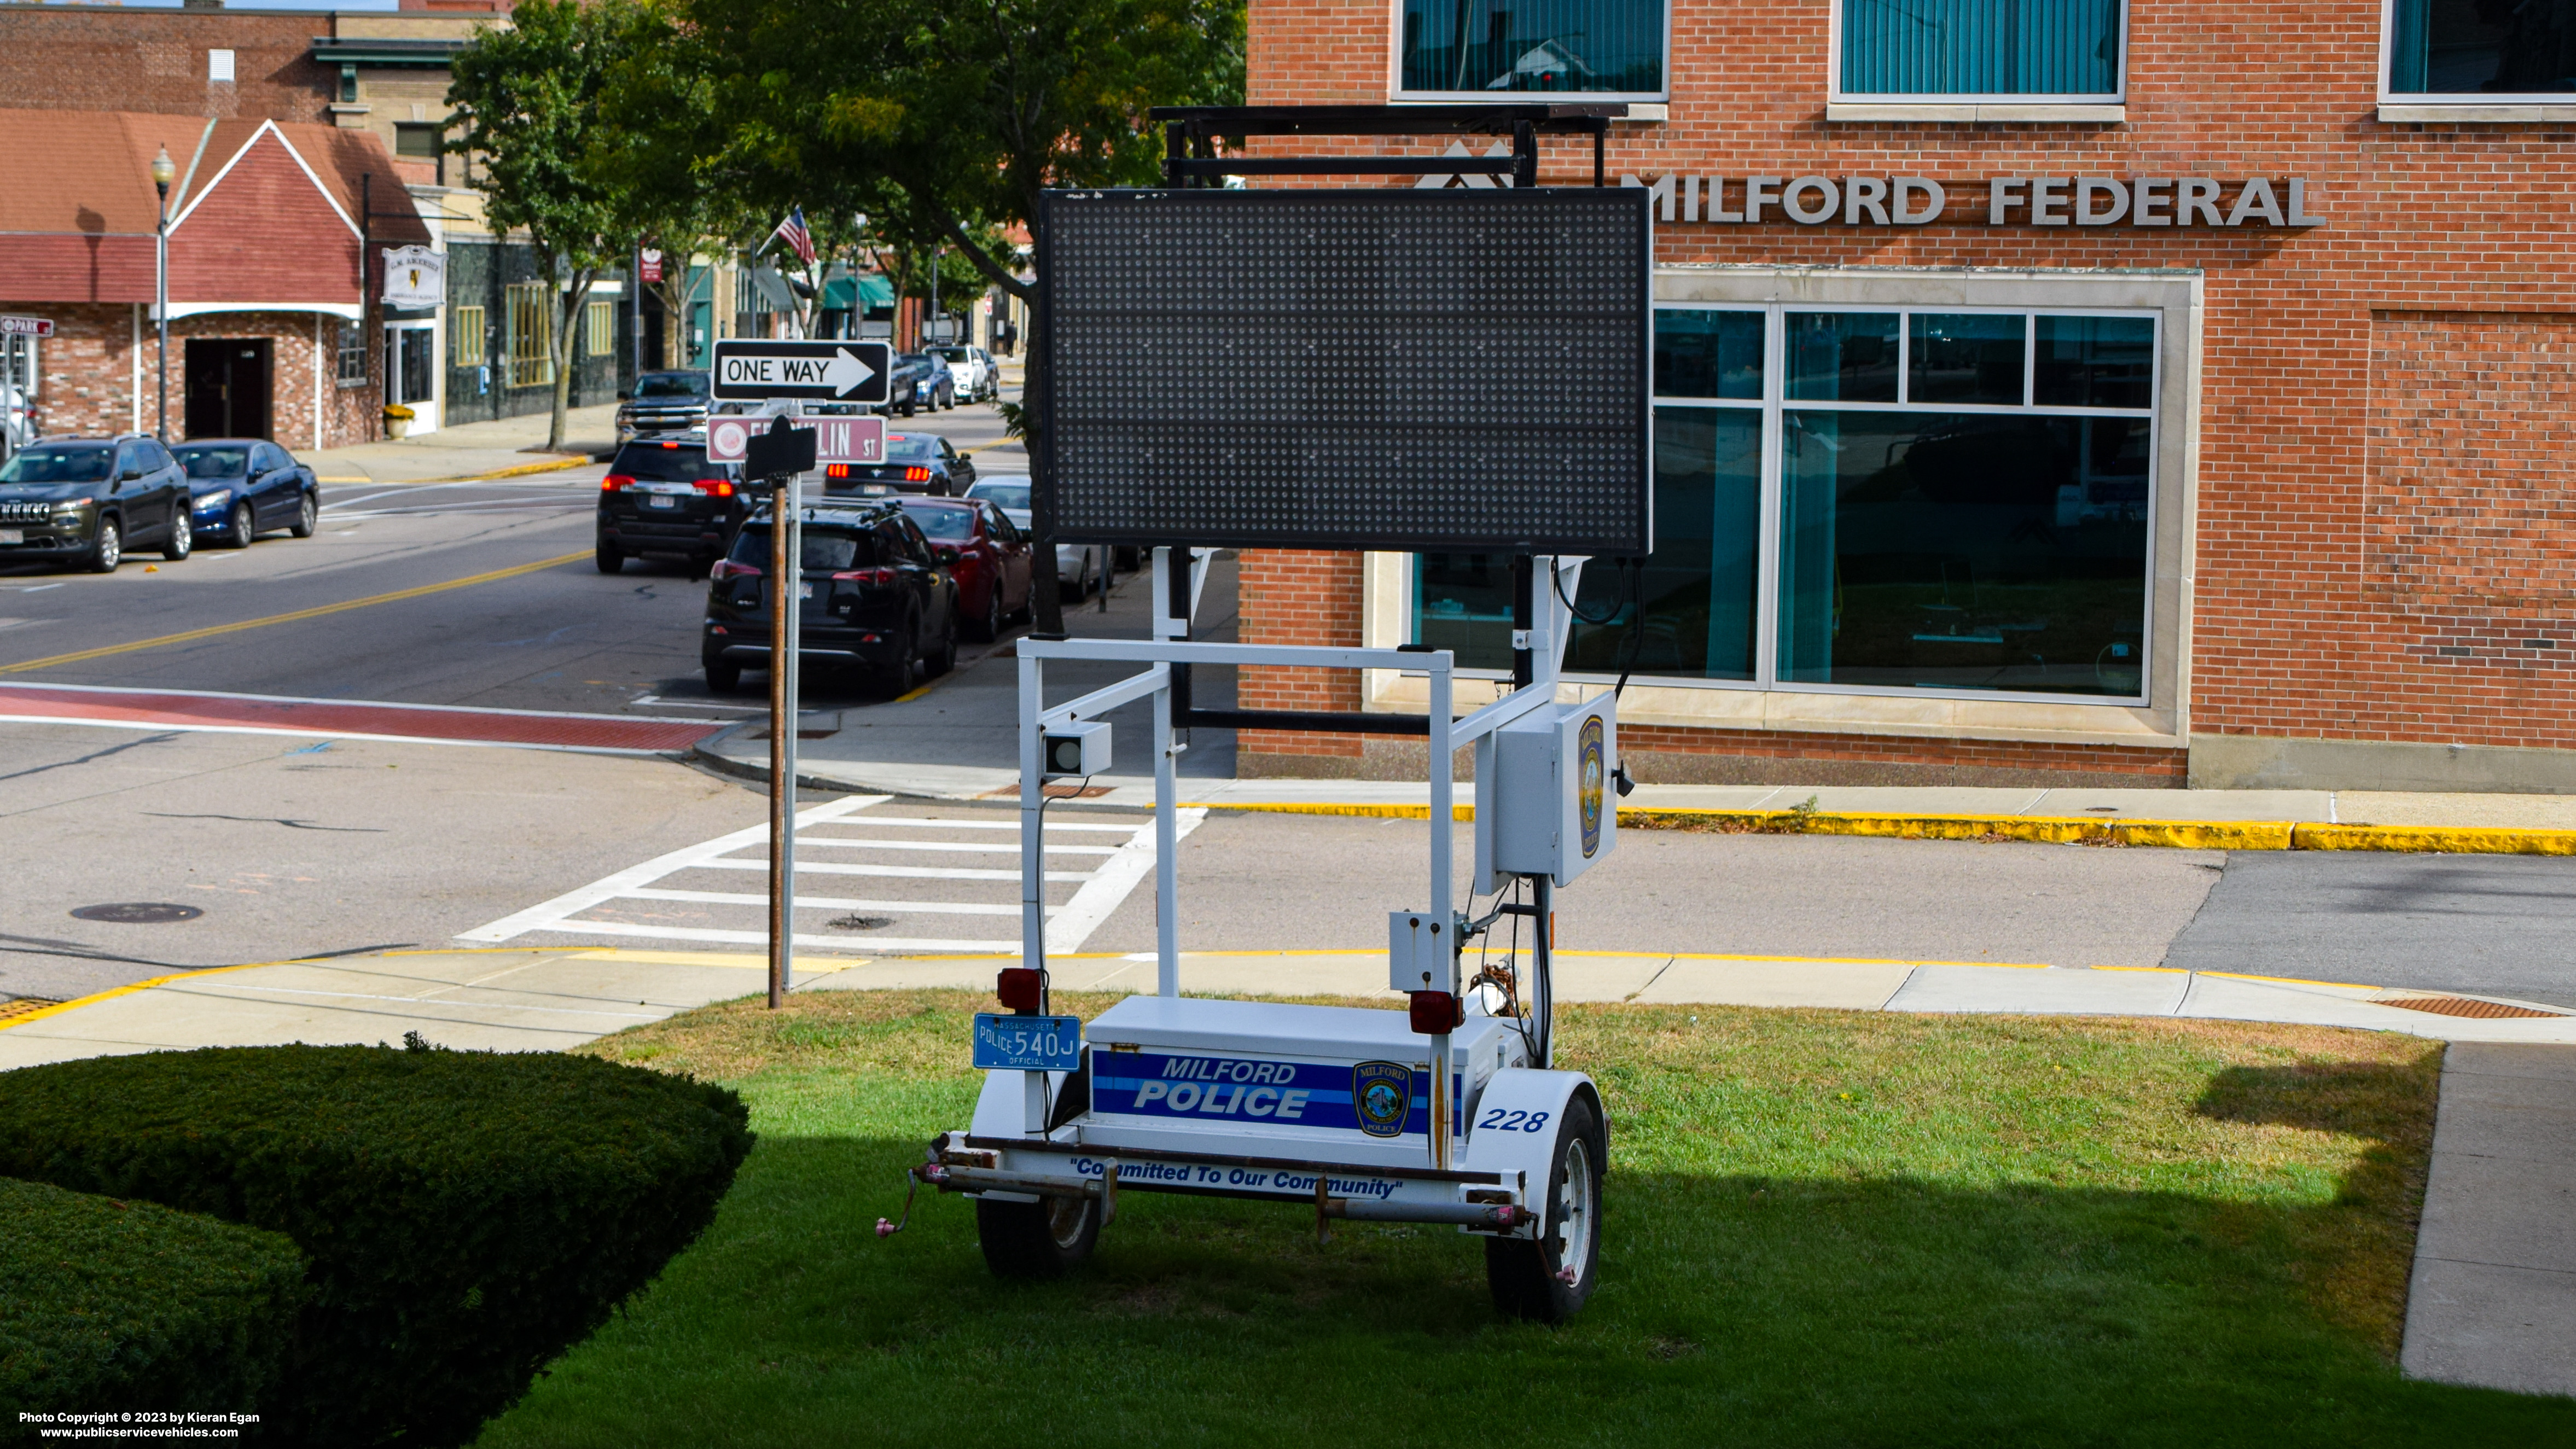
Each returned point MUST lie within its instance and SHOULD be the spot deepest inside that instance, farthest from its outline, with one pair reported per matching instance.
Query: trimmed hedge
(118, 1306)
(466, 1216)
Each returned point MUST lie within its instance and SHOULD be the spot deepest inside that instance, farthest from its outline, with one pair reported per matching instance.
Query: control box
(1545, 803)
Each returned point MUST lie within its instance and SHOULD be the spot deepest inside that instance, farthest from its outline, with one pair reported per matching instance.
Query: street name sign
(837, 438)
(754, 370)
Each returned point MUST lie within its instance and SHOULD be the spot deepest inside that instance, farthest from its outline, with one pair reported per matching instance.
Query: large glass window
(1600, 47)
(2028, 49)
(1963, 501)
(2482, 48)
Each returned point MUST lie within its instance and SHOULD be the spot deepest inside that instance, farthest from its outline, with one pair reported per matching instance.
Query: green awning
(872, 291)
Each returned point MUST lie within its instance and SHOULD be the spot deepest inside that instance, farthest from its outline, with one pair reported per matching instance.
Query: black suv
(662, 497)
(874, 595)
(663, 402)
(85, 501)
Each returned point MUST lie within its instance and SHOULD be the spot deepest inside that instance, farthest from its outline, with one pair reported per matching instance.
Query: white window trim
(1983, 105)
(1397, 95)
(2503, 106)
(2161, 718)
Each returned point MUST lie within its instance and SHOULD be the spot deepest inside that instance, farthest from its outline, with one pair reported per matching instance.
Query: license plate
(876, 488)
(1027, 1043)
(660, 500)
(13, 535)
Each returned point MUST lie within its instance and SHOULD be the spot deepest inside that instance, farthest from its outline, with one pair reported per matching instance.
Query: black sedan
(663, 498)
(84, 501)
(914, 463)
(874, 596)
(240, 488)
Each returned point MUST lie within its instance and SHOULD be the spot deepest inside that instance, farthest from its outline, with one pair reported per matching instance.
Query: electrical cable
(1556, 581)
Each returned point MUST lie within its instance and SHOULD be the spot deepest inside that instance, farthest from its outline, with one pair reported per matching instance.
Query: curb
(560, 461)
(2052, 830)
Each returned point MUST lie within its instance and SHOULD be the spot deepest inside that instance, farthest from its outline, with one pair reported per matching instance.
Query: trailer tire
(1523, 1274)
(1034, 1240)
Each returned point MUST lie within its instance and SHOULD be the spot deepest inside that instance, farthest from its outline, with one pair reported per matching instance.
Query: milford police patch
(1381, 1095)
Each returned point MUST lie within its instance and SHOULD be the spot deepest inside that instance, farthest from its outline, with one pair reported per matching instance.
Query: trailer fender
(1513, 1130)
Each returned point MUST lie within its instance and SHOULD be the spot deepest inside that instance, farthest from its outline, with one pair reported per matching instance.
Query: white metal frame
(1836, 95)
(1398, 94)
(1170, 645)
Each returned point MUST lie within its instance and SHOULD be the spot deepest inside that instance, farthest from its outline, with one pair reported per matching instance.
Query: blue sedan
(240, 488)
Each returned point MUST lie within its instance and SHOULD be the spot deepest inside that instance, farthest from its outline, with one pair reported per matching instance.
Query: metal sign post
(779, 456)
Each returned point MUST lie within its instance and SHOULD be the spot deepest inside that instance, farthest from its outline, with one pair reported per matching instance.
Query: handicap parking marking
(1120, 867)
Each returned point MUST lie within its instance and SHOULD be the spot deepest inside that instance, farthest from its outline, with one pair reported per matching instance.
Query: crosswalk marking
(1098, 893)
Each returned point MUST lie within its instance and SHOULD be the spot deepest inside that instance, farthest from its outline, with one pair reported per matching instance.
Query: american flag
(793, 228)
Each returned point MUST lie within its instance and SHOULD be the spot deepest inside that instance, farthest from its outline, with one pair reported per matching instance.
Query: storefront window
(1480, 47)
(2482, 48)
(2031, 49)
(1963, 498)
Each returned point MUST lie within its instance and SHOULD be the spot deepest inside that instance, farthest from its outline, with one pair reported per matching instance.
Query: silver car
(1079, 567)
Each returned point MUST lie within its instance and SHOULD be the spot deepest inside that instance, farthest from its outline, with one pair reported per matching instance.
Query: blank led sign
(1406, 370)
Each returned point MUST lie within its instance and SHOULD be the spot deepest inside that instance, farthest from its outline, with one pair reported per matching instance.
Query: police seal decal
(1382, 1096)
(1593, 776)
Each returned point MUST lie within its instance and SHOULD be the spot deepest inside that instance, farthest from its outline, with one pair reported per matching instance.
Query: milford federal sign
(2139, 201)
(758, 370)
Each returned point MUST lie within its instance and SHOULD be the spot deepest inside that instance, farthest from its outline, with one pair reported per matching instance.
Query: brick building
(378, 74)
(265, 286)
(2048, 391)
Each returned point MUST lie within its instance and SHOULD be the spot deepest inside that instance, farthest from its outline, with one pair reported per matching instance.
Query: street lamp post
(163, 173)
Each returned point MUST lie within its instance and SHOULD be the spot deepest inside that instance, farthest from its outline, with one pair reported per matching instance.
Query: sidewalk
(471, 450)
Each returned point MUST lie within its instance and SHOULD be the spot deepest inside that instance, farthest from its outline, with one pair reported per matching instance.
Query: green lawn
(1822, 1228)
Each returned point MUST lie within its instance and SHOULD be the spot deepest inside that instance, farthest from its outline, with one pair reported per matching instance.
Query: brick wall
(82, 58)
(1299, 596)
(88, 369)
(2378, 469)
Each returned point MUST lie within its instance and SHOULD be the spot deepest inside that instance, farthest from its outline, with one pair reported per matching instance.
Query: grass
(1822, 1228)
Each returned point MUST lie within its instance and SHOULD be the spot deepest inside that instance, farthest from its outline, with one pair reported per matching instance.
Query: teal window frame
(2065, 385)
(1886, 52)
(2409, 45)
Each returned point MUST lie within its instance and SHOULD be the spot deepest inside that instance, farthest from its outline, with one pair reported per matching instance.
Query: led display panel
(1405, 370)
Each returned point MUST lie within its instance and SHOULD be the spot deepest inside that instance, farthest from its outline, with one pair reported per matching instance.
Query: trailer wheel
(1530, 1280)
(1043, 1239)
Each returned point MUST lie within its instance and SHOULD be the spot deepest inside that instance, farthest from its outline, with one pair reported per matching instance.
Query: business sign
(752, 370)
(648, 266)
(837, 439)
(415, 277)
(2147, 201)
(26, 326)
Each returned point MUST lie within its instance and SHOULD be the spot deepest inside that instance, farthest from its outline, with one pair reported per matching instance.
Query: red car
(986, 553)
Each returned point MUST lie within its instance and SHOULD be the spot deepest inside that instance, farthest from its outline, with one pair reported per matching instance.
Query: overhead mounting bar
(1190, 133)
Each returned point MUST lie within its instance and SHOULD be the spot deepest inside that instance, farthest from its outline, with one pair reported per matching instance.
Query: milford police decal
(1592, 774)
(1381, 1092)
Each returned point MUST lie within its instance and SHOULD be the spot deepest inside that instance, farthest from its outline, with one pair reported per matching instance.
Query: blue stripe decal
(1244, 1090)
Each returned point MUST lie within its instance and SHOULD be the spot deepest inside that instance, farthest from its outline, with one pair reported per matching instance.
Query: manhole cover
(862, 923)
(2463, 1006)
(138, 913)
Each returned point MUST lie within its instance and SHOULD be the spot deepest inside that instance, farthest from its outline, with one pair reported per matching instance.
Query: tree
(530, 98)
(944, 119)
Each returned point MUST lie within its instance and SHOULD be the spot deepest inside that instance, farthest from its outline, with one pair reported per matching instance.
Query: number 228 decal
(1512, 1119)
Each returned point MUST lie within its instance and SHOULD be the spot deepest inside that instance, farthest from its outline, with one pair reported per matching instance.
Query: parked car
(978, 378)
(874, 592)
(940, 391)
(662, 498)
(1079, 567)
(240, 488)
(914, 463)
(85, 501)
(985, 551)
(663, 402)
(908, 385)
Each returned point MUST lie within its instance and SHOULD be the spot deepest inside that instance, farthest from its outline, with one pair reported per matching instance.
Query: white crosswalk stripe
(651, 901)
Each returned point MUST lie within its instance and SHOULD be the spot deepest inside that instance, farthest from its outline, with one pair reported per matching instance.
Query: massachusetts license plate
(13, 535)
(660, 500)
(1027, 1043)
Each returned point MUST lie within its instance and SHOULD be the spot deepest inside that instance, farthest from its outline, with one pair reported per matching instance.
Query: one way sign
(748, 370)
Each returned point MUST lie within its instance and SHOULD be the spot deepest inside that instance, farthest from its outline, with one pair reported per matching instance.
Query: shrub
(119, 1306)
(466, 1216)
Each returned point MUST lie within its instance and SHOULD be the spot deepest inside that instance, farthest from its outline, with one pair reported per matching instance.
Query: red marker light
(670, 445)
(1435, 1012)
(1021, 988)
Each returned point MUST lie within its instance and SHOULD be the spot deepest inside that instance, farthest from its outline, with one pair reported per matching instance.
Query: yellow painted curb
(2054, 830)
(131, 987)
